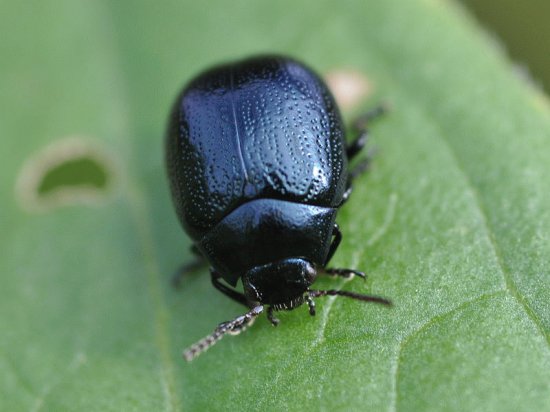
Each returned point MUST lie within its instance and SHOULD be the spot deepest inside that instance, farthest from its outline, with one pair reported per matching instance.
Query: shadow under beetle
(258, 167)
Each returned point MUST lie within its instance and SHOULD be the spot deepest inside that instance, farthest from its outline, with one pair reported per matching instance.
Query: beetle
(258, 167)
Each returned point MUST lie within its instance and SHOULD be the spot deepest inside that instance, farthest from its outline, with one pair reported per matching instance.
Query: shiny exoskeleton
(258, 167)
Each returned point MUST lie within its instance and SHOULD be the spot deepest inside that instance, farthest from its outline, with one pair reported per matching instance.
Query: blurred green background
(523, 28)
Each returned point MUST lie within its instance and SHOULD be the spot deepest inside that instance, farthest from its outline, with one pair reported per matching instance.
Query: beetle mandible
(258, 168)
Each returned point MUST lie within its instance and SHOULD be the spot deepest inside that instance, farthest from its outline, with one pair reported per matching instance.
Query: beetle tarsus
(274, 321)
(345, 273)
(311, 305)
(233, 327)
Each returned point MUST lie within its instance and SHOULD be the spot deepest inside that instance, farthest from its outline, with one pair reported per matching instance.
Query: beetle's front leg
(335, 242)
(310, 304)
(345, 273)
(227, 291)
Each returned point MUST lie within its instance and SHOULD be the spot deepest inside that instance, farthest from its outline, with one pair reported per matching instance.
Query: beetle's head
(281, 283)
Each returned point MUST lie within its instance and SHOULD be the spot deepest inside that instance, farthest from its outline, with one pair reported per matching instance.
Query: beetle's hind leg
(360, 127)
(197, 263)
(310, 304)
(226, 290)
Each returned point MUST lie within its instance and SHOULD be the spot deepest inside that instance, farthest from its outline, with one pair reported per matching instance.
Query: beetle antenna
(233, 327)
(357, 296)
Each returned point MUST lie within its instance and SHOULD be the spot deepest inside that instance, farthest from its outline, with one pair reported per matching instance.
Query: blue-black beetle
(258, 167)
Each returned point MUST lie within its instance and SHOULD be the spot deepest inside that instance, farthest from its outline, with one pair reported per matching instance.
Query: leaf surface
(452, 222)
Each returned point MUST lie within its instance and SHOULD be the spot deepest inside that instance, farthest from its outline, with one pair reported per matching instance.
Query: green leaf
(452, 222)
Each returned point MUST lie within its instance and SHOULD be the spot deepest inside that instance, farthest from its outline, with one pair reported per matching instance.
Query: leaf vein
(78, 360)
(375, 237)
(429, 323)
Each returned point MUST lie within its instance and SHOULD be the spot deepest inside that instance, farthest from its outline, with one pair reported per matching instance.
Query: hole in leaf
(83, 172)
(68, 172)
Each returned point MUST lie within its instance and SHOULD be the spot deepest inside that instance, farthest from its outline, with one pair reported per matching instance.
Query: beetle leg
(197, 263)
(360, 168)
(311, 305)
(345, 273)
(227, 291)
(357, 296)
(233, 327)
(335, 242)
(358, 144)
(347, 194)
(360, 125)
(362, 122)
(274, 321)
